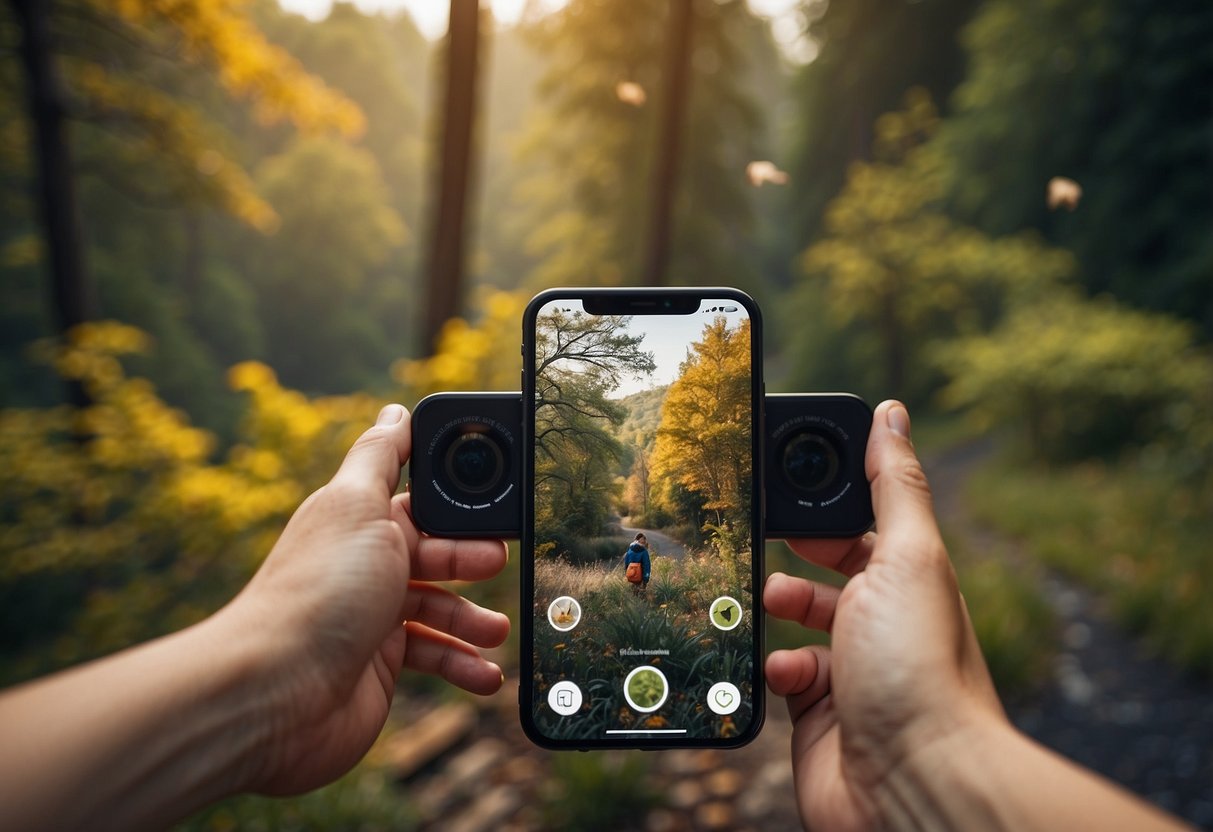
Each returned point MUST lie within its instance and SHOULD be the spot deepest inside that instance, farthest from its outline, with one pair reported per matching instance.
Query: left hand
(342, 604)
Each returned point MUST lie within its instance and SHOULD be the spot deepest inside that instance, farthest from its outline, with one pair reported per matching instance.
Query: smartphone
(641, 522)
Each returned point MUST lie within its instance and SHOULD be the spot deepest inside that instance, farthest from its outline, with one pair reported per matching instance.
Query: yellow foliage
(471, 357)
(126, 501)
(223, 33)
(176, 132)
(703, 441)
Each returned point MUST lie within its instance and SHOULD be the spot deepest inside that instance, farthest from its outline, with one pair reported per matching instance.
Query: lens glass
(474, 462)
(810, 461)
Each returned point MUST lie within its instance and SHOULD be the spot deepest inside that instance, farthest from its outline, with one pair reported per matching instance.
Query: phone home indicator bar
(650, 731)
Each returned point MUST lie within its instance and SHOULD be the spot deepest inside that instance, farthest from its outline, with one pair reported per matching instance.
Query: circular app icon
(645, 688)
(564, 698)
(564, 613)
(725, 613)
(724, 698)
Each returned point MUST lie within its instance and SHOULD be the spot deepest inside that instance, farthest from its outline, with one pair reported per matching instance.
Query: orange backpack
(635, 573)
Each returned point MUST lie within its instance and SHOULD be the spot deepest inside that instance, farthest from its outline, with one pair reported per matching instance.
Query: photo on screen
(642, 460)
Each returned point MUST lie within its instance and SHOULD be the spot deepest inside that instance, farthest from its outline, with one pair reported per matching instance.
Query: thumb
(901, 497)
(377, 456)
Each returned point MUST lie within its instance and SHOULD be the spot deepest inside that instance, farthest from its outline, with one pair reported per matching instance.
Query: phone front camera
(475, 462)
(809, 461)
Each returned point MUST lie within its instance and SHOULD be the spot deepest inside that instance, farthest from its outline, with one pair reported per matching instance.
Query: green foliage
(1081, 377)
(579, 360)
(1015, 625)
(904, 274)
(587, 198)
(599, 792)
(673, 613)
(869, 54)
(361, 801)
(1111, 95)
(318, 273)
(1133, 530)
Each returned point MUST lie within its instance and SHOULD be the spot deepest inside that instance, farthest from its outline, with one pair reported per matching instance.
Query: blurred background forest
(216, 262)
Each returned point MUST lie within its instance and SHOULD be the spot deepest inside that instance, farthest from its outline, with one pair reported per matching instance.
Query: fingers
(445, 612)
(377, 456)
(901, 496)
(847, 556)
(442, 559)
(801, 675)
(430, 651)
(808, 603)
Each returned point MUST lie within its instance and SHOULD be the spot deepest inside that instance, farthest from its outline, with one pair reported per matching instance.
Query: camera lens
(809, 461)
(474, 462)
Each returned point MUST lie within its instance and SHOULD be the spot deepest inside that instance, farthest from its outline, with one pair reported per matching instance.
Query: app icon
(564, 698)
(724, 698)
(645, 688)
(564, 613)
(725, 613)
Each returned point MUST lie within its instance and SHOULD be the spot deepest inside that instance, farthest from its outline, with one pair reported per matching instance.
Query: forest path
(660, 543)
(1110, 703)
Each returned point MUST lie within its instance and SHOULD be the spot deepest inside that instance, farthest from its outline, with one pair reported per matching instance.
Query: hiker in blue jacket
(638, 552)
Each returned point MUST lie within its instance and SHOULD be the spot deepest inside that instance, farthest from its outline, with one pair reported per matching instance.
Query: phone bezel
(639, 301)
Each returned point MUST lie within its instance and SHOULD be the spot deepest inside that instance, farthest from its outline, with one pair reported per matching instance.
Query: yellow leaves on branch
(222, 33)
(703, 441)
(175, 132)
(470, 357)
(142, 486)
(308, 436)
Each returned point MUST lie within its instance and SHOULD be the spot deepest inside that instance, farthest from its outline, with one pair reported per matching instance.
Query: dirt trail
(1110, 702)
(660, 543)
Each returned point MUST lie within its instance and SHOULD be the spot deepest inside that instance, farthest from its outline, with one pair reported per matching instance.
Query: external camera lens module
(810, 461)
(475, 462)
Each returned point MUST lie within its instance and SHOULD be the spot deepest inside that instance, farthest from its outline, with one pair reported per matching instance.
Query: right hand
(904, 674)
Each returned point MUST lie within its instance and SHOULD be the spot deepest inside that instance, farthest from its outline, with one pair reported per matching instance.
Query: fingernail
(390, 415)
(899, 420)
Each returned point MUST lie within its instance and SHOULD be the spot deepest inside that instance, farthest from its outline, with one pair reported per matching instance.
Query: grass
(592, 792)
(617, 626)
(364, 799)
(1015, 625)
(1139, 535)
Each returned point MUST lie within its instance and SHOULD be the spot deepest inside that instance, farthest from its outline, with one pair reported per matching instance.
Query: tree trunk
(71, 296)
(444, 281)
(669, 142)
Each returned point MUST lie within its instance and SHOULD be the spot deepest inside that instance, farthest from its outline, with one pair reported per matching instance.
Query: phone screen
(640, 535)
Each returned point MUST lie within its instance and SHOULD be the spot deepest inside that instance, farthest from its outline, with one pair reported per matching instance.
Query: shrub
(1081, 378)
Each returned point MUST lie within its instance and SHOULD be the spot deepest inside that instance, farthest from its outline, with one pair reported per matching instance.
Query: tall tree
(589, 201)
(703, 442)
(579, 359)
(444, 284)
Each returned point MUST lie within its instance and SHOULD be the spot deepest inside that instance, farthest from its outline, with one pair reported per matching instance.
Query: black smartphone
(641, 523)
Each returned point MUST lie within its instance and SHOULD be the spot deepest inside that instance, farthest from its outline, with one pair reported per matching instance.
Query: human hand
(904, 676)
(341, 605)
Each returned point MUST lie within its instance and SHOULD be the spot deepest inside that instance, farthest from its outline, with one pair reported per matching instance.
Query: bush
(1081, 378)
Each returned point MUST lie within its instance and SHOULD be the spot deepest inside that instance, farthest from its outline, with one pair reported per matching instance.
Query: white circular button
(564, 698)
(724, 698)
(564, 613)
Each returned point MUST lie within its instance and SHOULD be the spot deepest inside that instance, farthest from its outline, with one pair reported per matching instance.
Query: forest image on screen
(642, 461)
